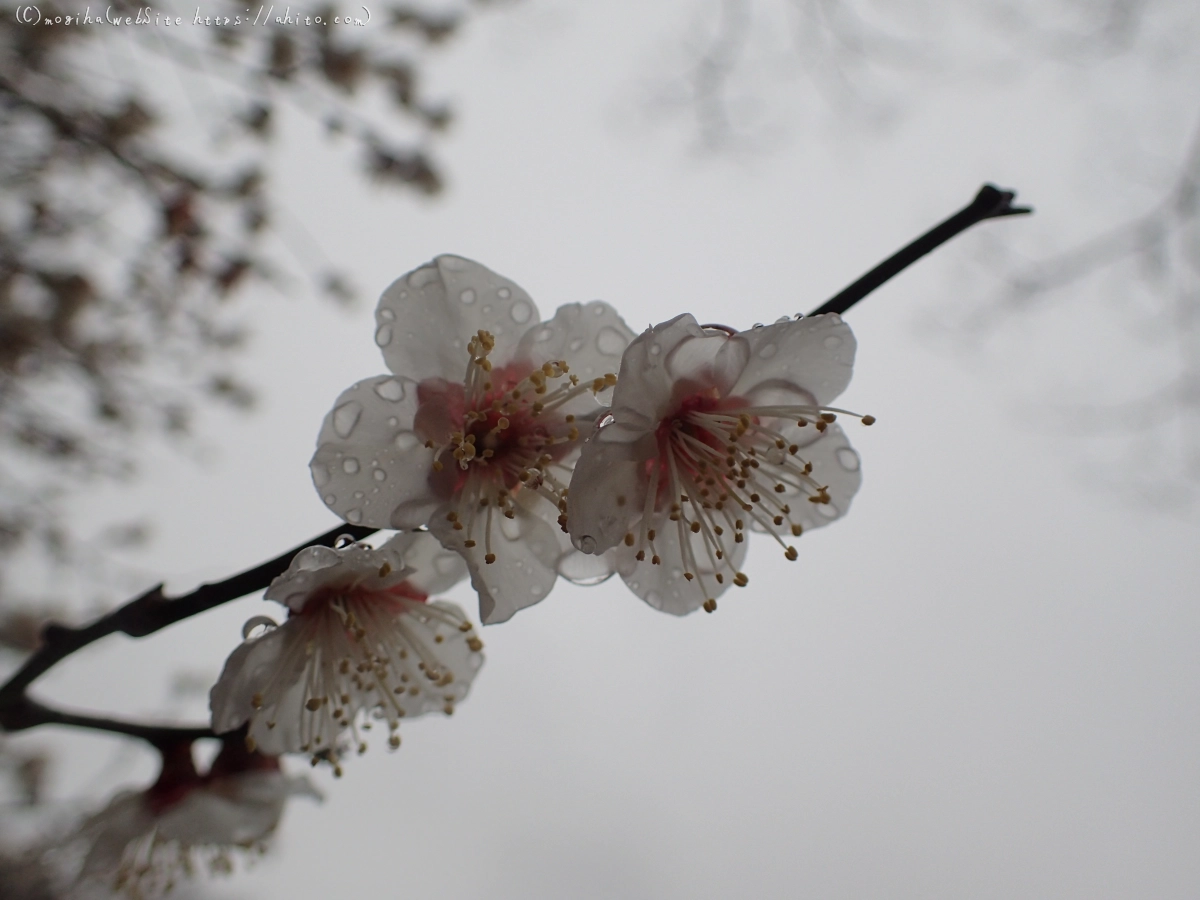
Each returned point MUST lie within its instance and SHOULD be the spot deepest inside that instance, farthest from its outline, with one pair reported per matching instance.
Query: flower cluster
(514, 451)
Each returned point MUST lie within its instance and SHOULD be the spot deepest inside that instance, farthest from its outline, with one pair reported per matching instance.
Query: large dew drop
(350, 465)
(467, 296)
(392, 389)
(610, 341)
(521, 312)
(383, 336)
(345, 417)
(847, 459)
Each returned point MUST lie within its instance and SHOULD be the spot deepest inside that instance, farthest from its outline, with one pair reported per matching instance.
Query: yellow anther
(868, 420)
(791, 554)
(710, 605)
(489, 558)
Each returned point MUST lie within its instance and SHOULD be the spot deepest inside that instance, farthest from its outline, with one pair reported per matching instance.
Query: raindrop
(350, 465)
(580, 568)
(544, 335)
(487, 308)
(467, 296)
(576, 344)
(358, 495)
(520, 312)
(320, 474)
(345, 417)
(847, 459)
(676, 573)
(504, 293)
(610, 341)
(654, 599)
(782, 319)
(342, 541)
(393, 421)
(599, 309)
(832, 342)
(266, 623)
(756, 326)
(406, 440)
(510, 528)
(587, 544)
(828, 510)
(767, 351)
(380, 475)
(354, 516)
(387, 315)
(330, 499)
(655, 349)
(392, 389)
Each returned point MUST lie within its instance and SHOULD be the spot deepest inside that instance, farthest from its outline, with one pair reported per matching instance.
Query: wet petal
(607, 491)
(527, 552)
(432, 569)
(248, 672)
(370, 467)
(589, 337)
(425, 318)
(644, 384)
(815, 353)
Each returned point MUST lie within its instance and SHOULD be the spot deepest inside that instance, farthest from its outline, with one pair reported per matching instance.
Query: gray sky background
(982, 682)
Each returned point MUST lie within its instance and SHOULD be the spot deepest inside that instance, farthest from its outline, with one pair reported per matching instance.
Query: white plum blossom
(713, 433)
(362, 642)
(142, 842)
(476, 431)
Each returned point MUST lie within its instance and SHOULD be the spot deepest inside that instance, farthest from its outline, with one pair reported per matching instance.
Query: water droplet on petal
(487, 308)
(446, 563)
(655, 349)
(354, 516)
(543, 335)
(380, 475)
(342, 541)
(320, 474)
(393, 421)
(654, 599)
(832, 342)
(510, 528)
(467, 296)
(587, 544)
(392, 389)
(847, 459)
(387, 314)
(828, 510)
(610, 341)
(576, 344)
(383, 336)
(423, 276)
(345, 417)
(266, 623)
(520, 312)
(766, 351)
(676, 573)
(330, 499)
(504, 293)
(350, 465)
(406, 440)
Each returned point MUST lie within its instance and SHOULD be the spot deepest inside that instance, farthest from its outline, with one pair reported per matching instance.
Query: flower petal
(314, 567)
(663, 586)
(527, 550)
(608, 489)
(425, 318)
(590, 338)
(431, 568)
(277, 658)
(814, 353)
(370, 467)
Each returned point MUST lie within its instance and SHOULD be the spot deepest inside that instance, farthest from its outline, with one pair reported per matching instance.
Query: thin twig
(990, 203)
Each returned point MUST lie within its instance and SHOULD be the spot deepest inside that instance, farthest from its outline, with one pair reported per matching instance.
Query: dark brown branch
(989, 203)
(139, 617)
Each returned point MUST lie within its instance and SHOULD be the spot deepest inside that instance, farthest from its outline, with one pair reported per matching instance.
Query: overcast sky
(982, 682)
